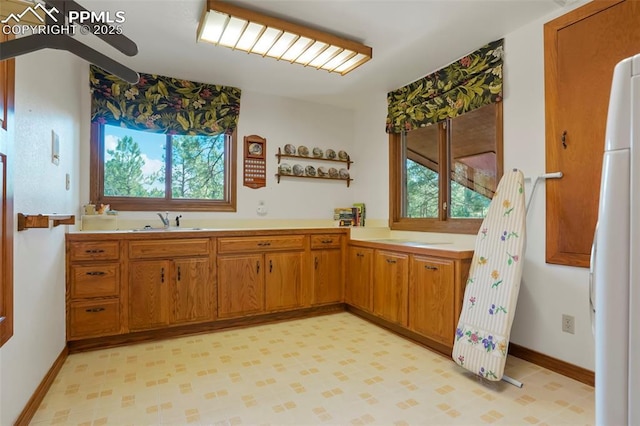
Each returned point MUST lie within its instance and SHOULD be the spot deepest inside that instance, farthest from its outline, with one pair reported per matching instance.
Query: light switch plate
(55, 148)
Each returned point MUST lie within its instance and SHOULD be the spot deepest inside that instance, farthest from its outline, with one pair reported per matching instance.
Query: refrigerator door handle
(592, 270)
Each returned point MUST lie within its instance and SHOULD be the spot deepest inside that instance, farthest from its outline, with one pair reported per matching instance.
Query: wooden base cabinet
(124, 287)
(240, 285)
(283, 280)
(268, 280)
(359, 278)
(148, 294)
(327, 276)
(412, 291)
(166, 292)
(390, 286)
(93, 289)
(170, 282)
(431, 298)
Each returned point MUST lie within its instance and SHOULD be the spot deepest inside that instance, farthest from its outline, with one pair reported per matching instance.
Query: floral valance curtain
(469, 83)
(163, 104)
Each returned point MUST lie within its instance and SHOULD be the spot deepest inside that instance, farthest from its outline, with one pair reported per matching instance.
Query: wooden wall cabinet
(581, 49)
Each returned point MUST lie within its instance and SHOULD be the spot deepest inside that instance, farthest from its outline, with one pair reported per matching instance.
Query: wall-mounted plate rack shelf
(312, 158)
(347, 180)
(27, 221)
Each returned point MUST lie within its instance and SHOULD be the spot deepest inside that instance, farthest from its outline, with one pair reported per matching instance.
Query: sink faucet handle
(178, 220)
(164, 219)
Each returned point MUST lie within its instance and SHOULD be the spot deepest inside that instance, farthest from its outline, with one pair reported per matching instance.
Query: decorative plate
(344, 174)
(298, 170)
(285, 169)
(343, 155)
(331, 154)
(289, 149)
(310, 171)
(317, 152)
(333, 172)
(303, 150)
(322, 172)
(255, 149)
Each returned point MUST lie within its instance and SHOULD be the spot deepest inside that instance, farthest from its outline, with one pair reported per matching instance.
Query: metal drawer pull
(94, 310)
(94, 273)
(179, 273)
(263, 244)
(257, 267)
(94, 251)
(162, 275)
(270, 265)
(391, 261)
(431, 268)
(360, 254)
(327, 241)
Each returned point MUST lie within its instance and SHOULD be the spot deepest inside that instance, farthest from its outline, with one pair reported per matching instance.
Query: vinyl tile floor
(335, 369)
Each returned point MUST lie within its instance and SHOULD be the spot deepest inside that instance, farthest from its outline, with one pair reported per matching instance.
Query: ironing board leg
(514, 382)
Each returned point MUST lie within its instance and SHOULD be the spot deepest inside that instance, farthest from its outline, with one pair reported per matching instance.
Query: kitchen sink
(170, 229)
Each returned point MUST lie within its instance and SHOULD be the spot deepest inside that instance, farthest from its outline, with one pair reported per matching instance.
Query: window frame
(442, 223)
(96, 182)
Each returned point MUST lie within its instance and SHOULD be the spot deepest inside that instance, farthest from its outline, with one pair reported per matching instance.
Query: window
(467, 149)
(138, 170)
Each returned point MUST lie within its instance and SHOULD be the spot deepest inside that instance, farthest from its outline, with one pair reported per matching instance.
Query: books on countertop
(350, 216)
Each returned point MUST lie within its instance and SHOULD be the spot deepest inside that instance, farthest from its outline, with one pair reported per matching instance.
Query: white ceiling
(409, 40)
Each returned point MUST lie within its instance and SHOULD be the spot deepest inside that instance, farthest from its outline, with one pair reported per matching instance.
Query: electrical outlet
(568, 324)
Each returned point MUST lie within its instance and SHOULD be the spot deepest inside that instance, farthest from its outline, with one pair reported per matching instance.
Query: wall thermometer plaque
(255, 163)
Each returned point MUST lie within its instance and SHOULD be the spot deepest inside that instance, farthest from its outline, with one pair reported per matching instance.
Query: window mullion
(168, 168)
(444, 154)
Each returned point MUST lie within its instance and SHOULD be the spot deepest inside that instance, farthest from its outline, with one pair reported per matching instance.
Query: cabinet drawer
(99, 280)
(326, 241)
(93, 319)
(94, 250)
(169, 248)
(245, 244)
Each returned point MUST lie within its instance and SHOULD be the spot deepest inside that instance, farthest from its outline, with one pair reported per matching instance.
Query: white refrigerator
(615, 256)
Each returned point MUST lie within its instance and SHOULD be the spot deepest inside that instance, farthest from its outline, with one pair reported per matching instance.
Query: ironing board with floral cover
(482, 335)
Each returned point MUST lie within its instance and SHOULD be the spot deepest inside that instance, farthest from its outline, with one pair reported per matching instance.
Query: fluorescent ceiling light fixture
(242, 29)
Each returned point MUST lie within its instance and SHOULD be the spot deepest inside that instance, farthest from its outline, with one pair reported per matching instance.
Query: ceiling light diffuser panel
(224, 24)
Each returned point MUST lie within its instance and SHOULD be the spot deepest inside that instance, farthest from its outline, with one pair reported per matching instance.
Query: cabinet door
(240, 285)
(327, 276)
(192, 295)
(431, 298)
(581, 49)
(149, 294)
(390, 286)
(358, 286)
(283, 283)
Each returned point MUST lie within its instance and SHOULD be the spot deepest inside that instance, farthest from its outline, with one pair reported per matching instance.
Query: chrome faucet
(164, 219)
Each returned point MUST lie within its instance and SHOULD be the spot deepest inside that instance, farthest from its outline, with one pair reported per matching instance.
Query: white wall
(547, 291)
(371, 144)
(47, 98)
(281, 121)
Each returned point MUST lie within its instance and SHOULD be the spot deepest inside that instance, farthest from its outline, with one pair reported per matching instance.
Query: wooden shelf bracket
(42, 220)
